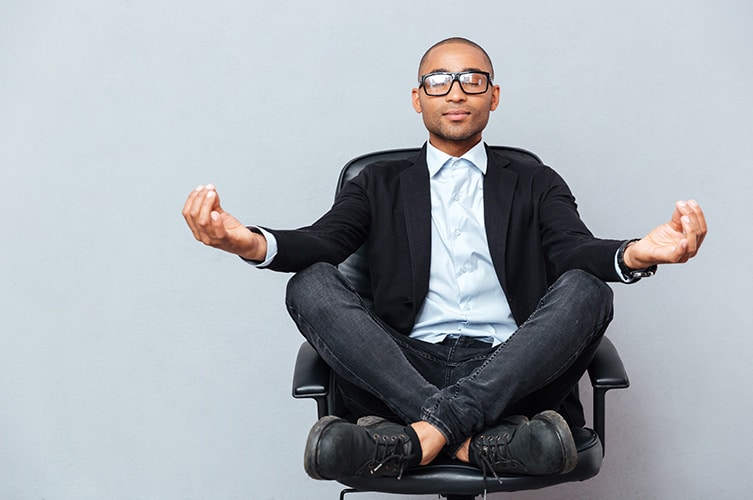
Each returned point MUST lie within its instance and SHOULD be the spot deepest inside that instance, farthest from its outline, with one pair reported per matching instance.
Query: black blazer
(532, 224)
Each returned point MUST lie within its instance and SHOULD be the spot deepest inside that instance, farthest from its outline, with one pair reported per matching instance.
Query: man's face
(455, 121)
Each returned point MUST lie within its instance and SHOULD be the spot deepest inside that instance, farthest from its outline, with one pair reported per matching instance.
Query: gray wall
(136, 363)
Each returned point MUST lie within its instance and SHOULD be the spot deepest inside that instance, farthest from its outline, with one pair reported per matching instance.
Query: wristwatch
(632, 274)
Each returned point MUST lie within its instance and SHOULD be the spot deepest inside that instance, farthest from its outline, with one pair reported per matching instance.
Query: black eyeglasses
(439, 84)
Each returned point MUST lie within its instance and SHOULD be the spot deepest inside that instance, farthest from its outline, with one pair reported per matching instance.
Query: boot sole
(311, 452)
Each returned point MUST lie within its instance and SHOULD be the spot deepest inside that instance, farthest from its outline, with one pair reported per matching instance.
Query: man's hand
(673, 242)
(213, 226)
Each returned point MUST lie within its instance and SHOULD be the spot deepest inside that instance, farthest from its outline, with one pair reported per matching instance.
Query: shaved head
(456, 40)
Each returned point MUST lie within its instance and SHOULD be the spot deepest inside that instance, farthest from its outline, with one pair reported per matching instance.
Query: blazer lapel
(499, 189)
(416, 197)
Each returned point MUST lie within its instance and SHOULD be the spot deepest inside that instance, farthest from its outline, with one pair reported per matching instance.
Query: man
(489, 293)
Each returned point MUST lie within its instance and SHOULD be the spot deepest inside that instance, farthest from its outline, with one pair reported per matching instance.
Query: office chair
(449, 478)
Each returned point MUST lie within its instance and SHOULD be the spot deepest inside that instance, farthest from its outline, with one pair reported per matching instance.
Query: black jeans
(460, 386)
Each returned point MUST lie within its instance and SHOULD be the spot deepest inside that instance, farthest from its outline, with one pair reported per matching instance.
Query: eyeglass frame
(456, 78)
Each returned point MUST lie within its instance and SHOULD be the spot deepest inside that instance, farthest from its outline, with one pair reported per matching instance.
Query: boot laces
(494, 451)
(391, 454)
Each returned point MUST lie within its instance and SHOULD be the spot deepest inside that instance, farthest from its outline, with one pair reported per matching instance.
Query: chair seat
(453, 477)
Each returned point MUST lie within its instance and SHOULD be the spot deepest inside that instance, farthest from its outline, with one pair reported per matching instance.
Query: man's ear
(416, 98)
(495, 97)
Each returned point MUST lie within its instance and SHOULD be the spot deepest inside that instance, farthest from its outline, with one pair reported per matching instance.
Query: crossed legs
(532, 371)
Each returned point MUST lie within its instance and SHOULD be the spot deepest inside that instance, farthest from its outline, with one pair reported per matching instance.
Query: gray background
(136, 363)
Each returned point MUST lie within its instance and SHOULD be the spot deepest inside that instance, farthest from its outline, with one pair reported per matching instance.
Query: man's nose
(456, 92)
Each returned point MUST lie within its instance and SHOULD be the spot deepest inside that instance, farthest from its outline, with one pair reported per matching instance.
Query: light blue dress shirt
(465, 296)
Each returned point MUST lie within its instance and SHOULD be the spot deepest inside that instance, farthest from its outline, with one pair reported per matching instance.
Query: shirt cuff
(271, 247)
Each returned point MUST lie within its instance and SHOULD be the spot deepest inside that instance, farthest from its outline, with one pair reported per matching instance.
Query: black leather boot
(336, 449)
(540, 446)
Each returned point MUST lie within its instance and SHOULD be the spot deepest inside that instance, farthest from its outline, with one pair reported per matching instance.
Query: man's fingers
(693, 225)
(219, 231)
(700, 218)
(189, 213)
(689, 229)
(681, 209)
(197, 211)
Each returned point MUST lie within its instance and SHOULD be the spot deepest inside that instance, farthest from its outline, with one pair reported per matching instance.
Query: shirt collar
(435, 159)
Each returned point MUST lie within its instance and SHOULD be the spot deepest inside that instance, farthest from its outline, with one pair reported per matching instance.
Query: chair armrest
(310, 375)
(311, 378)
(606, 370)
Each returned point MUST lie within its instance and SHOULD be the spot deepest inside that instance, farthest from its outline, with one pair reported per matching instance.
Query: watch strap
(632, 274)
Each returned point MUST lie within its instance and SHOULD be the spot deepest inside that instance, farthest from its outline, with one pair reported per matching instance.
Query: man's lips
(456, 114)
